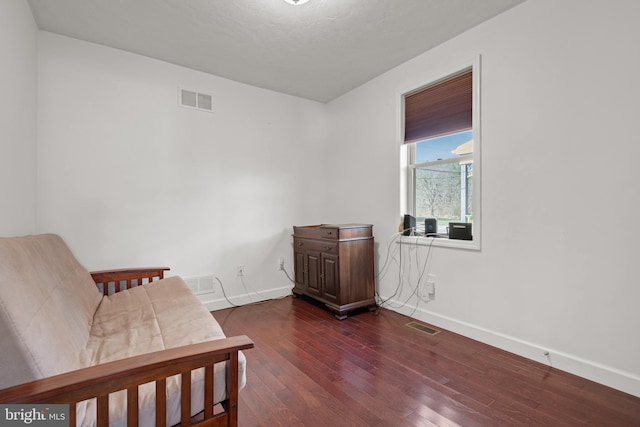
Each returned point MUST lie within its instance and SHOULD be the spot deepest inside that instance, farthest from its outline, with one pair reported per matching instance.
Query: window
(440, 153)
(442, 170)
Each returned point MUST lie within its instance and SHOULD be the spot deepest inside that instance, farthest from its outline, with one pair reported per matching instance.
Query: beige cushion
(47, 302)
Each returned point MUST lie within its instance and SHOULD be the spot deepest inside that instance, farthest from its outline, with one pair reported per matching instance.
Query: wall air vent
(195, 100)
(201, 284)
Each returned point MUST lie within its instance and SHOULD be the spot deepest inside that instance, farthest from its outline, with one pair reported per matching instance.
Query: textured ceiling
(318, 50)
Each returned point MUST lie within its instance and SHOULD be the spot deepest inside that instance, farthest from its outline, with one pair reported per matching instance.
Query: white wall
(18, 77)
(560, 104)
(129, 178)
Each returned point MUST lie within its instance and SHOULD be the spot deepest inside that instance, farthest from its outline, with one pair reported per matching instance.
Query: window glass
(443, 147)
(443, 178)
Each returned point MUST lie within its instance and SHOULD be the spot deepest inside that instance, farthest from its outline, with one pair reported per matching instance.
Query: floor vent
(423, 328)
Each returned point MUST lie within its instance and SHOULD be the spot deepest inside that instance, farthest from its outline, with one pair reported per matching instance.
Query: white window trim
(406, 178)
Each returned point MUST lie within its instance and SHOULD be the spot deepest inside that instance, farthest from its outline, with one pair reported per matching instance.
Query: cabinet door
(313, 273)
(299, 269)
(330, 278)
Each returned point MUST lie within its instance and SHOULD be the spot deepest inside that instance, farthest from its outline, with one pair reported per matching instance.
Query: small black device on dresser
(430, 227)
(460, 231)
(409, 228)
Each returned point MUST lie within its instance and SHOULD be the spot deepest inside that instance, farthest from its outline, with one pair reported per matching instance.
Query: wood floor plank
(381, 387)
(399, 368)
(309, 369)
(358, 400)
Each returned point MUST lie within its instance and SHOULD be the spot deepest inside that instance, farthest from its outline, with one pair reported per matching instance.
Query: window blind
(439, 109)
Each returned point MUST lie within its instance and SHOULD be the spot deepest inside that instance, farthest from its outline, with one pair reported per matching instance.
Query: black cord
(401, 275)
(245, 288)
(224, 293)
(398, 287)
(287, 274)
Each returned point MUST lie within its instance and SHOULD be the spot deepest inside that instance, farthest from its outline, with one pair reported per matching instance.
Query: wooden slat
(185, 398)
(72, 414)
(103, 411)
(232, 378)
(132, 406)
(161, 403)
(208, 391)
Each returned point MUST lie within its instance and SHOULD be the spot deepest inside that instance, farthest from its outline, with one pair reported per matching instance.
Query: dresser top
(333, 231)
(333, 226)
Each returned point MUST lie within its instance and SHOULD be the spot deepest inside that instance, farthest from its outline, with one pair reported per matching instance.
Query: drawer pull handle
(327, 248)
(299, 243)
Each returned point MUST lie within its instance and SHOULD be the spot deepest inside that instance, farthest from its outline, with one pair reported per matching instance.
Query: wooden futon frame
(127, 374)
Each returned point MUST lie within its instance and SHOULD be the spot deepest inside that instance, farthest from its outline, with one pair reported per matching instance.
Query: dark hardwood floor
(309, 369)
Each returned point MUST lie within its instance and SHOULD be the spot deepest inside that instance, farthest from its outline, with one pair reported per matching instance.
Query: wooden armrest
(127, 275)
(108, 377)
(127, 374)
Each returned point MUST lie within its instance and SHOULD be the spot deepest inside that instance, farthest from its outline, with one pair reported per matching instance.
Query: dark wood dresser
(333, 264)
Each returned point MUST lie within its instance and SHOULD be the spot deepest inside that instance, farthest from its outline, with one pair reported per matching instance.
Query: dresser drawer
(316, 245)
(330, 233)
(345, 231)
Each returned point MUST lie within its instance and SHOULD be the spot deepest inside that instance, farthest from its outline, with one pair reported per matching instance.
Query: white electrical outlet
(430, 285)
(281, 263)
(429, 288)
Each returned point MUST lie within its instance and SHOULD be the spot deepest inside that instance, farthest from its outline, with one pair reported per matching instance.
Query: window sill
(444, 242)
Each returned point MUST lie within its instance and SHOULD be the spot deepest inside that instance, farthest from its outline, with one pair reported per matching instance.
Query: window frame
(407, 158)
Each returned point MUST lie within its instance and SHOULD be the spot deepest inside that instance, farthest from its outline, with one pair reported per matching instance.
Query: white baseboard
(606, 375)
(217, 301)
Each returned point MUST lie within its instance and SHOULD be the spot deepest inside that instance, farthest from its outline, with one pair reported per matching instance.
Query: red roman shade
(439, 109)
